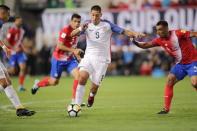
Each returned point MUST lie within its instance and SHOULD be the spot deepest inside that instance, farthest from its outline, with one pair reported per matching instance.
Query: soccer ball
(73, 110)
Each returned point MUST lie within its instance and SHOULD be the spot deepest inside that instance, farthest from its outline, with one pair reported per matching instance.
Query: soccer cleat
(35, 88)
(24, 112)
(21, 89)
(90, 101)
(83, 104)
(163, 111)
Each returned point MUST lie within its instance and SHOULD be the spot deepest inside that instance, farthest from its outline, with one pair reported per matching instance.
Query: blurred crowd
(127, 59)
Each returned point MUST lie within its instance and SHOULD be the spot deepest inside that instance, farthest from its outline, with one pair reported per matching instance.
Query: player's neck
(96, 23)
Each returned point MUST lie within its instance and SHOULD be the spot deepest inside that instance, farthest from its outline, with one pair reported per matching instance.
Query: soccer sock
(44, 82)
(168, 95)
(91, 94)
(75, 83)
(79, 94)
(13, 97)
(21, 79)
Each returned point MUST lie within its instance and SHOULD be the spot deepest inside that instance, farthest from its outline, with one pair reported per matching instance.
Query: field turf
(122, 104)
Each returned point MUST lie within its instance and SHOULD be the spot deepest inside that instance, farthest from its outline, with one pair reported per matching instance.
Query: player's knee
(194, 84)
(171, 80)
(54, 82)
(82, 80)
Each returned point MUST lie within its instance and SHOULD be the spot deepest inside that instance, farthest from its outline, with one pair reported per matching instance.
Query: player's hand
(7, 51)
(84, 26)
(140, 35)
(78, 52)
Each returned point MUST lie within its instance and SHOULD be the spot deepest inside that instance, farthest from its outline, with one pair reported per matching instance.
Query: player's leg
(72, 68)
(85, 70)
(176, 74)
(22, 74)
(75, 74)
(194, 82)
(192, 73)
(21, 60)
(11, 93)
(56, 71)
(92, 94)
(96, 78)
(80, 91)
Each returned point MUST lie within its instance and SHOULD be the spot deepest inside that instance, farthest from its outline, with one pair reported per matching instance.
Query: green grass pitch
(122, 104)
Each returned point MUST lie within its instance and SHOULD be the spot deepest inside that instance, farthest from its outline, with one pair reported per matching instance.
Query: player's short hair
(96, 8)
(75, 16)
(163, 23)
(4, 7)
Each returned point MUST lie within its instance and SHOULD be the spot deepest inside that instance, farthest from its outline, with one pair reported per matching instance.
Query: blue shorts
(18, 58)
(181, 70)
(57, 67)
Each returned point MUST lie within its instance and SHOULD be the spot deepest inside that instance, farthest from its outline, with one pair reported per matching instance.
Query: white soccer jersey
(98, 39)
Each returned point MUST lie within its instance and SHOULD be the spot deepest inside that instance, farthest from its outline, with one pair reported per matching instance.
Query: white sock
(13, 97)
(92, 94)
(79, 94)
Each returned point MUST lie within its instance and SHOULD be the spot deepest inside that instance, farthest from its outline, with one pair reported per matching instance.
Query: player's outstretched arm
(133, 34)
(143, 45)
(193, 34)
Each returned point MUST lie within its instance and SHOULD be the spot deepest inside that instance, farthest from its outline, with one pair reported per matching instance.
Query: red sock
(21, 79)
(75, 83)
(168, 95)
(44, 82)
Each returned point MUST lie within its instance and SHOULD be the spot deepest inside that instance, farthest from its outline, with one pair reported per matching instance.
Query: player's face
(162, 31)
(75, 23)
(95, 16)
(19, 21)
(5, 15)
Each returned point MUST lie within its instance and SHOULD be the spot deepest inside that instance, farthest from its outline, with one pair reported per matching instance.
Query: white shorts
(96, 67)
(3, 71)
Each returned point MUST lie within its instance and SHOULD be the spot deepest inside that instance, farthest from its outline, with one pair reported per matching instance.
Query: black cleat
(34, 90)
(83, 104)
(90, 101)
(163, 111)
(24, 112)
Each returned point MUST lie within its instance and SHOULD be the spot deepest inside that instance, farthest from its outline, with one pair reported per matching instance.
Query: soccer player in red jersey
(64, 57)
(13, 33)
(179, 45)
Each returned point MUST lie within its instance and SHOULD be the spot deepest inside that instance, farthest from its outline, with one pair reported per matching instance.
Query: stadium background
(43, 20)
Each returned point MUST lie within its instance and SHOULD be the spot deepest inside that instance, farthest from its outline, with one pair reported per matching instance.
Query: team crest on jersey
(63, 35)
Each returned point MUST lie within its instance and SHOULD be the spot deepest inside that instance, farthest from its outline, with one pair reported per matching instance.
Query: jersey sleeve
(62, 35)
(115, 28)
(183, 33)
(155, 42)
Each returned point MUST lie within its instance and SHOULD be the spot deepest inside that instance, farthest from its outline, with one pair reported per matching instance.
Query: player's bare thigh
(194, 81)
(75, 73)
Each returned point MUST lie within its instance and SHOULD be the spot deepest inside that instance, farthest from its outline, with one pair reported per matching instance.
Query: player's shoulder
(65, 29)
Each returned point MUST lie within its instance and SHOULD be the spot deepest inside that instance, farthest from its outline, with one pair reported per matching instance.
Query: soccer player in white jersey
(97, 55)
(5, 82)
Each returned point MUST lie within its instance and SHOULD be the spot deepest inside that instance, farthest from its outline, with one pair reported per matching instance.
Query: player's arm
(5, 48)
(193, 34)
(77, 31)
(133, 34)
(75, 51)
(144, 45)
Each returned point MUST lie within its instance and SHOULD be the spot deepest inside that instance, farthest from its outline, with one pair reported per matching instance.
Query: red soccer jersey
(14, 37)
(179, 46)
(68, 41)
